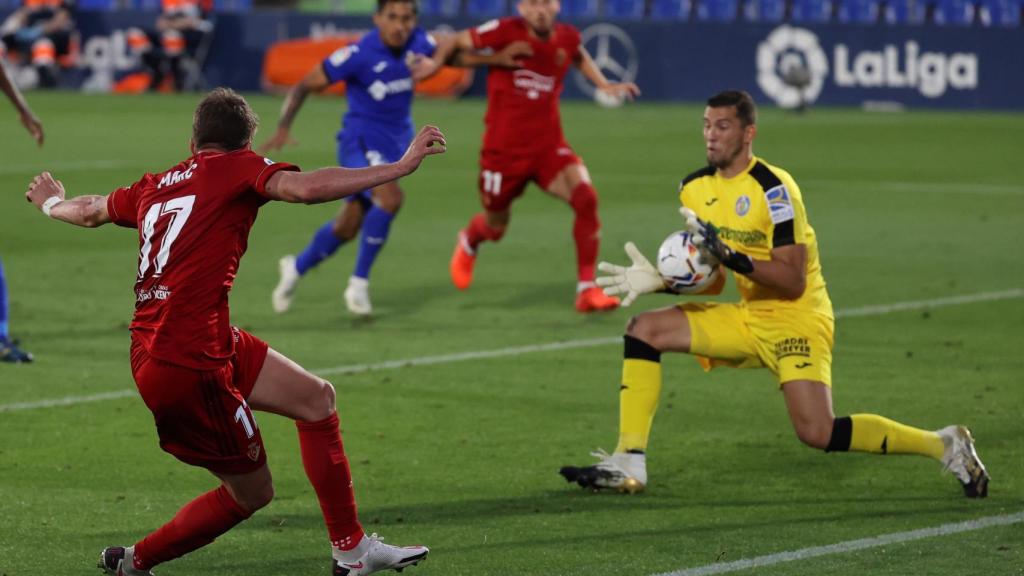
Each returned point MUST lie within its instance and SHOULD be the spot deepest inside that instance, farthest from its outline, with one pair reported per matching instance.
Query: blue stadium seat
(1000, 12)
(236, 6)
(765, 10)
(486, 7)
(671, 9)
(954, 12)
(146, 5)
(580, 9)
(905, 11)
(811, 11)
(858, 11)
(439, 7)
(717, 10)
(87, 5)
(624, 9)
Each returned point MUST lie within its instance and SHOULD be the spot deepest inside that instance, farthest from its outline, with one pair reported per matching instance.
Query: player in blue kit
(376, 130)
(378, 72)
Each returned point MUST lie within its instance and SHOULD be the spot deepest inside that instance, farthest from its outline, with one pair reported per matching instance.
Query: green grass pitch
(463, 456)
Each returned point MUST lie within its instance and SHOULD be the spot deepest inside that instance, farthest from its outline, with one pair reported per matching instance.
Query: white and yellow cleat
(285, 290)
(357, 296)
(623, 471)
(962, 460)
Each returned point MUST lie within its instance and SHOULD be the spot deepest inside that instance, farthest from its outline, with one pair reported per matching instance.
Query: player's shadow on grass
(569, 501)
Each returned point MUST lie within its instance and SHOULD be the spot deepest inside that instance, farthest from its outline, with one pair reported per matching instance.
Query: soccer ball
(681, 266)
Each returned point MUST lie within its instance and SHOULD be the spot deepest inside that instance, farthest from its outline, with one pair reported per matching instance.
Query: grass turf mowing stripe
(876, 310)
(849, 546)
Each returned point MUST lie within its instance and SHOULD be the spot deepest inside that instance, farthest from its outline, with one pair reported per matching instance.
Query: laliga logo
(783, 54)
(788, 51)
(614, 54)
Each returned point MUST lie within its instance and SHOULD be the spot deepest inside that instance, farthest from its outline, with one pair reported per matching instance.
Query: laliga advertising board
(916, 66)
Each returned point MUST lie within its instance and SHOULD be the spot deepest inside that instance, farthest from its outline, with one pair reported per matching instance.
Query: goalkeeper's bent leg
(880, 435)
(638, 397)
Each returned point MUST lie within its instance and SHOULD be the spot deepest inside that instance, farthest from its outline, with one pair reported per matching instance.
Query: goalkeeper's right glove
(705, 238)
(639, 278)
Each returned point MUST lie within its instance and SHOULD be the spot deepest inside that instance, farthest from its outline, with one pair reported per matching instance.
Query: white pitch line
(849, 546)
(877, 310)
(67, 401)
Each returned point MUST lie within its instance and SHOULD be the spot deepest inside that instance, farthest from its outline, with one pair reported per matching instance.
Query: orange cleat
(461, 265)
(594, 300)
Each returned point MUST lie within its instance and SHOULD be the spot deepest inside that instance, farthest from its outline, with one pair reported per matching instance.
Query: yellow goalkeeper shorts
(793, 344)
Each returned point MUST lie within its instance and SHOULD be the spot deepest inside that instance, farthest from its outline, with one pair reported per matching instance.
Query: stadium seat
(439, 7)
(858, 11)
(236, 6)
(765, 10)
(671, 9)
(580, 9)
(486, 8)
(811, 11)
(90, 5)
(954, 12)
(624, 9)
(1000, 12)
(905, 12)
(717, 10)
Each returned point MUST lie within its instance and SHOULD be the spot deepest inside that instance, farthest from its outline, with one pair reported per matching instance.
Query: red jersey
(193, 223)
(522, 104)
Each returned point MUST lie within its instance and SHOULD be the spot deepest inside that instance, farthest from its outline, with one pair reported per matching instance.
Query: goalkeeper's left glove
(705, 238)
(639, 278)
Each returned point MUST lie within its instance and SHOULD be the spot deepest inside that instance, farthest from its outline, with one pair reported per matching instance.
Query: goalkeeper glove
(639, 278)
(705, 238)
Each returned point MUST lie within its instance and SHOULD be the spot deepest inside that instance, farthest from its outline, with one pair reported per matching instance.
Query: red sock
(586, 230)
(478, 231)
(194, 526)
(323, 457)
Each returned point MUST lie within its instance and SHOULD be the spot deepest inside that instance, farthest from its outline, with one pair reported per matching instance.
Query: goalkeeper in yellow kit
(749, 216)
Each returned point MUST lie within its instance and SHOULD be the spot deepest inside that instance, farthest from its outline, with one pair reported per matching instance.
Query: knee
(390, 202)
(584, 199)
(642, 328)
(814, 432)
(257, 497)
(323, 403)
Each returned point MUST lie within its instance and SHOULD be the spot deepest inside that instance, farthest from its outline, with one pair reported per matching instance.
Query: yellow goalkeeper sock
(638, 397)
(880, 435)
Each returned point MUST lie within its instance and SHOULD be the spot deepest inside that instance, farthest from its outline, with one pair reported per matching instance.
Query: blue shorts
(362, 148)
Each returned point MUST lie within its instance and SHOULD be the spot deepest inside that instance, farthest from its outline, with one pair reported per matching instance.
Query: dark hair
(746, 110)
(381, 4)
(224, 119)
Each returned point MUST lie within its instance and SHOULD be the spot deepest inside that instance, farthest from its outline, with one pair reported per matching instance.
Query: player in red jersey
(201, 377)
(524, 142)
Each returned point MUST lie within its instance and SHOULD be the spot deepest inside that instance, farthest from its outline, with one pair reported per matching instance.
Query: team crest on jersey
(342, 54)
(254, 451)
(743, 205)
(560, 56)
(780, 206)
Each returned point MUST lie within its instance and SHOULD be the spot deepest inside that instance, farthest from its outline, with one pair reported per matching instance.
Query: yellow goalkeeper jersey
(755, 211)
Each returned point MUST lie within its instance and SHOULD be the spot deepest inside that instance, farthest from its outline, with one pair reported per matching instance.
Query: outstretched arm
(315, 81)
(327, 184)
(48, 195)
(588, 68)
(28, 119)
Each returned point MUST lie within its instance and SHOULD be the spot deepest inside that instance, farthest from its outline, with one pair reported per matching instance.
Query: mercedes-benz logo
(613, 52)
(791, 66)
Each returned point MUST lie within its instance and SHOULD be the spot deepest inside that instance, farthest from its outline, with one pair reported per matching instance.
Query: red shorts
(503, 177)
(201, 416)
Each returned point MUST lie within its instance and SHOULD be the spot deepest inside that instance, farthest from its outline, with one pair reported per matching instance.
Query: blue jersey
(379, 85)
